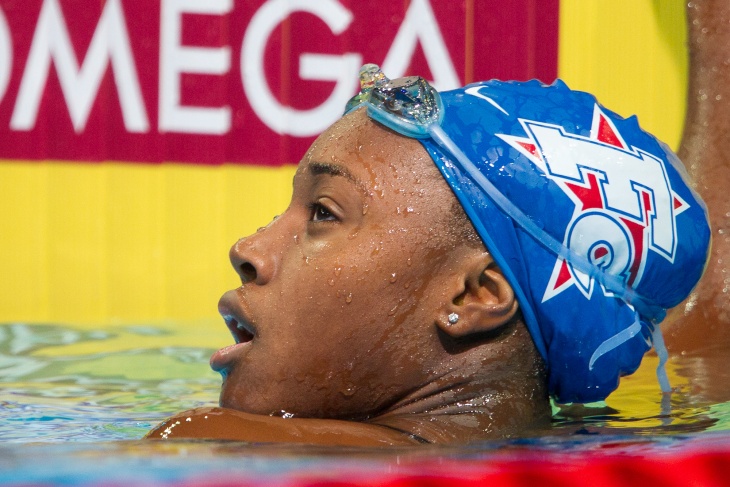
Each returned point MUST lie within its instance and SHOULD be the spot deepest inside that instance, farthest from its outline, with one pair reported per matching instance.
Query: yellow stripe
(120, 243)
(632, 55)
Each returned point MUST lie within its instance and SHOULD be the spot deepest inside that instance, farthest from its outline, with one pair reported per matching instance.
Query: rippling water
(68, 395)
(62, 384)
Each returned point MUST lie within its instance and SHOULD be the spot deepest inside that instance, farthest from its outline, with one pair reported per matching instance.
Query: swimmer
(447, 263)
(489, 378)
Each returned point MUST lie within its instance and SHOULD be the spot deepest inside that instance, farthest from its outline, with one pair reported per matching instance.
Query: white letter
(80, 86)
(628, 174)
(341, 69)
(420, 24)
(175, 59)
(6, 54)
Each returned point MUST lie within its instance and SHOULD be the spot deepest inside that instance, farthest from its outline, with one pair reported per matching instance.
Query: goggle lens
(407, 105)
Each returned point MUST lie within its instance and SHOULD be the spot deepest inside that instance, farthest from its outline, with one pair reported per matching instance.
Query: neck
(483, 391)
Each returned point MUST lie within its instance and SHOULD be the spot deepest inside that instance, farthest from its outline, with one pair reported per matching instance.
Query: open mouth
(242, 331)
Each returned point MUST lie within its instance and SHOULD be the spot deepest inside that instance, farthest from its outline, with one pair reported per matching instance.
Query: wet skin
(343, 312)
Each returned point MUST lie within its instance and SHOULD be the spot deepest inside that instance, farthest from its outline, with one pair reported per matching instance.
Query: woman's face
(340, 293)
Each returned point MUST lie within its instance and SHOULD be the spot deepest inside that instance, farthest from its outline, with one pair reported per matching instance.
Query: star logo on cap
(623, 204)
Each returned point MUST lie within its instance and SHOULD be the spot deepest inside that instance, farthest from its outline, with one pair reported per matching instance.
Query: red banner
(243, 81)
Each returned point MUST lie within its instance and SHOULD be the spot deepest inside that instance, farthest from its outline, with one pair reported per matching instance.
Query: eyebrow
(318, 168)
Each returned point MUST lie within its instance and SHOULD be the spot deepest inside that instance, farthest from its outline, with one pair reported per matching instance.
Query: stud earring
(453, 318)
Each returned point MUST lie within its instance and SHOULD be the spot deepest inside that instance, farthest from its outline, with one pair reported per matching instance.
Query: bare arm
(703, 321)
(228, 424)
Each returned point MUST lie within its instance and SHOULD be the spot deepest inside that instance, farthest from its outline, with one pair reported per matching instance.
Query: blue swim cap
(600, 186)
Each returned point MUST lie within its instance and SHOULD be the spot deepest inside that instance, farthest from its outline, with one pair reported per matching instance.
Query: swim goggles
(413, 108)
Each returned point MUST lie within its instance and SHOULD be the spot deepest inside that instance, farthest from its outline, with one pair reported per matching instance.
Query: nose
(254, 259)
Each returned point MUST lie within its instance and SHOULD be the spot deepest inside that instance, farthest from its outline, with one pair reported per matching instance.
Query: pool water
(61, 384)
(74, 403)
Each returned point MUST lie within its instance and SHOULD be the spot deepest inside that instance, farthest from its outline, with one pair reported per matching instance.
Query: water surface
(74, 403)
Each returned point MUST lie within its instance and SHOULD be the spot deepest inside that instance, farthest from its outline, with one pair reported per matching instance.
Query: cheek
(361, 284)
(387, 276)
(355, 300)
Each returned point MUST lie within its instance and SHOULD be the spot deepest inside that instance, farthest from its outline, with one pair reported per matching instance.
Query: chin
(231, 398)
(240, 401)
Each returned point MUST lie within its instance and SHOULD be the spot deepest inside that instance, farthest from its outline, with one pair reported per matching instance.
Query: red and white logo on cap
(624, 204)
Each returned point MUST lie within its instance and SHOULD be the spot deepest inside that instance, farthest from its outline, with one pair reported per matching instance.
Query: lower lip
(222, 360)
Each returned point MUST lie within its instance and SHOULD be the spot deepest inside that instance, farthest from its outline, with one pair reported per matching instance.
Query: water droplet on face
(406, 285)
(365, 209)
(348, 391)
(393, 278)
(331, 282)
(409, 210)
(348, 299)
(408, 262)
(306, 260)
(338, 270)
(296, 239)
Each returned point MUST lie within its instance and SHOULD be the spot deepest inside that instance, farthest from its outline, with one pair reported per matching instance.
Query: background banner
(140, 139)
(235, 81)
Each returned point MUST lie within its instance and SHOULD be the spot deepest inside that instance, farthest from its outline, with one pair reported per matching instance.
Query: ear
(482, 299)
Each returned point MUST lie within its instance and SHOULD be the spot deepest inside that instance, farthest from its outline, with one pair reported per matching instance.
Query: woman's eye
(321, 214)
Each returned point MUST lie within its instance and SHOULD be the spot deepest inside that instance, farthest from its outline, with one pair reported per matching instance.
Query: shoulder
(227, 424)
